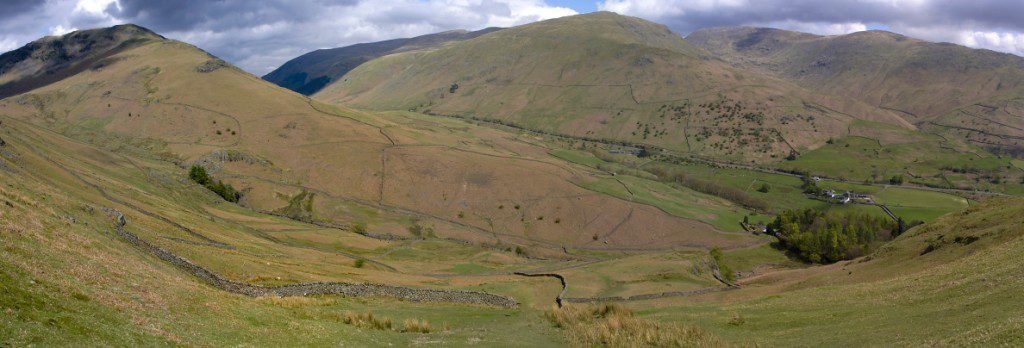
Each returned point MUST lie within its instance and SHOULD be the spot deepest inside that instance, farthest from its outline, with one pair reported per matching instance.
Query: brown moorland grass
(355, 166)
(613, 325)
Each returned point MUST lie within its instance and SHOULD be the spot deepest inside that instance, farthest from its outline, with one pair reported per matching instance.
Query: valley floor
(66, 270)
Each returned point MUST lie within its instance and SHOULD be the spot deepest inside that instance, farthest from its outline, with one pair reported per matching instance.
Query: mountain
(310, 72)
(976, 93)
(319, 163)
(53, 58)
(612, 77)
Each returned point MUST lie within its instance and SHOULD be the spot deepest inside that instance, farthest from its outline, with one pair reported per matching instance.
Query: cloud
(992, 24)
(259, 35)
(12, 8)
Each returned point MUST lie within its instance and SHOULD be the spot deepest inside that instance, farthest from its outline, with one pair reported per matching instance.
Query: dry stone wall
(306, 289)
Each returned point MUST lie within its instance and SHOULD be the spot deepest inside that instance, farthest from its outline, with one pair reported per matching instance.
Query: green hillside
(954, 282)
(310, 72)
(611, 77)
(973, 95)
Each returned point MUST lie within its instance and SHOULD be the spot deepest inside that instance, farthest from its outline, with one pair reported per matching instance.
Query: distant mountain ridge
(310, 72)
(976, 94)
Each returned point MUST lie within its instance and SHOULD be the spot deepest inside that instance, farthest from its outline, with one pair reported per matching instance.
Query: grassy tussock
(613, 325)
(367, 321)
(371, 321)
(413, 325)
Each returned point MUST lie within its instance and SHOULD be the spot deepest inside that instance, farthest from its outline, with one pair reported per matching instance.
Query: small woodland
(830, 236)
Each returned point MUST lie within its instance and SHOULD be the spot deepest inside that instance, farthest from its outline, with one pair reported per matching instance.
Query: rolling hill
(973, 93)
(310, 72)
(433, 212)
(611, 77)
(293, 156)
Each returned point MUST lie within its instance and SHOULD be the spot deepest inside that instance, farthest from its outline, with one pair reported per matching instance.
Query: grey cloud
(176, 15)
(937, 20)
(258, 35)
(11, 8)
(685, 17)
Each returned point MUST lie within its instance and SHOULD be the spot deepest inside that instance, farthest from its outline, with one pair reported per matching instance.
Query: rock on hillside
(310, 72)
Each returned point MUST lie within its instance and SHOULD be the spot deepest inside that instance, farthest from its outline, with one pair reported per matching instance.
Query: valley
(478, 190)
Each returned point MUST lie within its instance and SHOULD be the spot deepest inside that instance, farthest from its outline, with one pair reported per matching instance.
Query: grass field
(898, 297)
(931, 162)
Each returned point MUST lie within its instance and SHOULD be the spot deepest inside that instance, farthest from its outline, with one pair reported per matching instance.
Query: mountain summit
(52, 58)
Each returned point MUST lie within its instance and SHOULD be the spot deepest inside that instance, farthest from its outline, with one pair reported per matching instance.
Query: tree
(359, 227)
(896, 180)
(643, 153)
(226, 191)
(198, 174)
(764, 188)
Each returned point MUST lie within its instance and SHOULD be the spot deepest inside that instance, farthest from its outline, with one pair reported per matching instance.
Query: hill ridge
(309, 72)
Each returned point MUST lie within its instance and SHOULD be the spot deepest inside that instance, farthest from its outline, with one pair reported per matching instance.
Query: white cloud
(992, 24)
(95, 7)
(261, 45)
(61, 30)
(820, 28)
(996, 41)
(258, 35)
(8, 44)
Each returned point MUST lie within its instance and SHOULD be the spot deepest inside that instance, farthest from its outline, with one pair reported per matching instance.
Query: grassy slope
(934, 85)
(68, 279)
(310, 72)
(605, 76)
(784, 192)
(876, 152)
(959, 294)
(155, 97)
(922, 79)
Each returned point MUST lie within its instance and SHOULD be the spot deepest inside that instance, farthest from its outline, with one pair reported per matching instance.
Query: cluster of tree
(226, 191)
(810, 186)
(896, 180)
(830, 236)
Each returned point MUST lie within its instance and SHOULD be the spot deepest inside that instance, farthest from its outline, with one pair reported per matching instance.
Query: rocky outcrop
(212, 65)
(215, 160)
(306, 289)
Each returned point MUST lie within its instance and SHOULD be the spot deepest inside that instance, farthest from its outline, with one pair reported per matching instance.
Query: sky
(260, 35)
